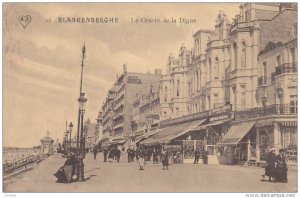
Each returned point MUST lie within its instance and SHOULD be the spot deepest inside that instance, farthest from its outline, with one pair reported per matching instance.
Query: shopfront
(238, 144)
(173, 137)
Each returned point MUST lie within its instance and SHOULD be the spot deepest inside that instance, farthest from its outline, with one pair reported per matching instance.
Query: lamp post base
(80, 169)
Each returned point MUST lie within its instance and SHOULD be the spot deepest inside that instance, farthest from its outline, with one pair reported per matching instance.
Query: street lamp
(80, 173)
(80, 140)
(67, 141)
(70, 129)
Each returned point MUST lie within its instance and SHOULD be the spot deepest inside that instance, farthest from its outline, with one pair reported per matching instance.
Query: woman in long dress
(165, 160)
(281, 167)
(66, 172)
(270, 165)
(141, 154)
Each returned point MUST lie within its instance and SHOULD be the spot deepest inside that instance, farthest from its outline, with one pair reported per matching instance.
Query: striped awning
(236, 133)
(288, 123)
(165, 135)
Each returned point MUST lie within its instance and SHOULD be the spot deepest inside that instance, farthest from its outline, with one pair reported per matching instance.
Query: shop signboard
(134, 79)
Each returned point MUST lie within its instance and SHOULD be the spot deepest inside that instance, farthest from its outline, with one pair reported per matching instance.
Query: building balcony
(118, 105)
(241, 72)
(217, 43)
(119, 96)
(276, 109)
(119, 125)
(262, 80)
(107, 117)
(111, 96)
(117, 115)
(285, 68)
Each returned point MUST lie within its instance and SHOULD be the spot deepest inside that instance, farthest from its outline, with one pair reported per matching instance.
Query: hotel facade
(233, 94)
(239, 82)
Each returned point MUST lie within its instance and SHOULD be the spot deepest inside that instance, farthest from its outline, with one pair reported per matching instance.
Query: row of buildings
(234, 93)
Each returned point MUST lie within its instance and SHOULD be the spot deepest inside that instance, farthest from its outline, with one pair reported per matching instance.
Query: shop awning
(236, 133)
(212, 124)
(118, 142)
(165, 135)
(144, 136)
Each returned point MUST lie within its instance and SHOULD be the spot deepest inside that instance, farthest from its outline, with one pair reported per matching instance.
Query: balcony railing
(277, 109)
(262, 80)
(285, 68)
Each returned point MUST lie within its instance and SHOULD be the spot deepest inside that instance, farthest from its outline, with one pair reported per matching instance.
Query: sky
(41, 63)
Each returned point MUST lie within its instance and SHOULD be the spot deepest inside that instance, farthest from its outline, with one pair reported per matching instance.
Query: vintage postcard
(150, 97)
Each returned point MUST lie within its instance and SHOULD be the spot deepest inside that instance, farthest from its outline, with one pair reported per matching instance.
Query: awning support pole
(257, 145)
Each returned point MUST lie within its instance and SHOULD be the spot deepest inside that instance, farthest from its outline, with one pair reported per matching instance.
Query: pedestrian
(129, 154)
(165, 160)
(105, 152)
(155, 157)
(114, 153)
(95, 150)
(137, 154)
(66, 172)
(132, 155)
(205, 156)
(141, 154)
(270, 165)
(118, 154)
(111, 155)
(197, 156)
(281, 167)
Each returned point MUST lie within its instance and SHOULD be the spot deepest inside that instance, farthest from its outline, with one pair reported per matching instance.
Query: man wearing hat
(281, 167)
(270, 165)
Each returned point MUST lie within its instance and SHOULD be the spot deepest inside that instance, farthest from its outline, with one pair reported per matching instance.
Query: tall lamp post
(67, 142)
(80, 136)
(80, 173)
(70, 129)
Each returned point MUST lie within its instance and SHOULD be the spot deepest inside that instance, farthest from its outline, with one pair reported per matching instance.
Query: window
(166, 93)
(178, 87)
(264, 69)
(293, 104)
(292, 51)
(264, 72)
(217, 68)
(187, 60)
(278, 60)
(209, 67)
(243, 96)
(216, 100)
(243, 57)
(295, 29)
(235, 56)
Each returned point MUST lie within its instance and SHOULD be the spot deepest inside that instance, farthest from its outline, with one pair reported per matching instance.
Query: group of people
(148, 153)
(142, 155)
(110, 154)
(276, 166)
(204, 156)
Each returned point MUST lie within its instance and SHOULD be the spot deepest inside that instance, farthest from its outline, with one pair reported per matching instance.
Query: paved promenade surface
(124, 177)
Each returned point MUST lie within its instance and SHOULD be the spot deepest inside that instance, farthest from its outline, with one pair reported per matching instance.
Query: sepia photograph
(150, 98)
